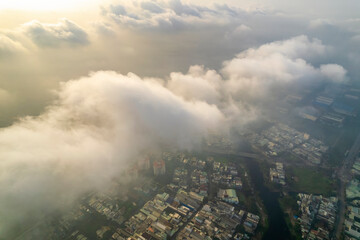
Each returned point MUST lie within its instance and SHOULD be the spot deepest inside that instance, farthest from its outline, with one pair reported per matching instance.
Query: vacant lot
(311, 180)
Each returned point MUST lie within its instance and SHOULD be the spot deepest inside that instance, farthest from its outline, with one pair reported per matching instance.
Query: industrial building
(343, 108)
(323, 101)
(333, 119)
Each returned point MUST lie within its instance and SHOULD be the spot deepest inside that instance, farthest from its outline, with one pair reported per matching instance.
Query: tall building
(134, 171)
(144, 163)
(159, 167)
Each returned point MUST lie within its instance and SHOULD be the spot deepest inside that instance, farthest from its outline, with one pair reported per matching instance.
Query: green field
(310, 180)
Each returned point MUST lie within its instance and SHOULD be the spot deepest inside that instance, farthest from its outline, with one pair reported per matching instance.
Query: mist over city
(176, 119)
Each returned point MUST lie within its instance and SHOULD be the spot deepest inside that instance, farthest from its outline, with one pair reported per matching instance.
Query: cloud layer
(9, 46)
(168, 14)
(97, 127)
(54, 35)
(277, 65)
(100, 123)
(154, 38)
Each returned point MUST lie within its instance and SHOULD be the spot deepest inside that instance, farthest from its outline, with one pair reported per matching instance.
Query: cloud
(54, 35)
(241, 29)
(296, 47)
(320, 22)
(256, 79)
(100, 123)
(334, 72)
(258, 71)
(197, 84)
(168, 14)
(5, 97)
(97, 126)
(152, 7)
(10, 46)
(104, 29)
(356, 38)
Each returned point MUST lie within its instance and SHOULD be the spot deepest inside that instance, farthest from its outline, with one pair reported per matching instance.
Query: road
(231, 152)
(344, 177)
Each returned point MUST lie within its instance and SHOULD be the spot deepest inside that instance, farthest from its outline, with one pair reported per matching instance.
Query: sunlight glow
(38, 5)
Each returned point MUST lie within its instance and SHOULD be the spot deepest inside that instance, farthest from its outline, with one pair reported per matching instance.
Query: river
(277, 226)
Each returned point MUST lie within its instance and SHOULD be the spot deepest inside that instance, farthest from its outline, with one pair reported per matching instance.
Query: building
(134, 171)
(216, 220)
(352, 222)
(293, 98)
(323, 102)
(277, 174)
(309, 113)
(144, 163)
(343, 108)
(251, 221)
(159, 167)
(332, 119)
(353, 189)
(318, 216)
(228, 195)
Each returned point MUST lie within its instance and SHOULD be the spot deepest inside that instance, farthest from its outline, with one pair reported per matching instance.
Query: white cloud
(320, 22)
(54, 35)
(334, 72)
(98, 125)
(239, 31)
(9, 46)
(103, 28)
(256, 72)
(197, 84)
(263, 74)
(296, 47)
(168, 14)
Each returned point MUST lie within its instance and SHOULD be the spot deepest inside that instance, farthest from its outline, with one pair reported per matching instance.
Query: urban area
(301, 174)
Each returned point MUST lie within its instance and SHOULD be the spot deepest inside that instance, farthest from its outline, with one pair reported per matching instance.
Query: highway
(344, 177)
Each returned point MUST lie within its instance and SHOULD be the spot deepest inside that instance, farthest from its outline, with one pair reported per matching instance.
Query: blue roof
(343, 107)
(320, 104)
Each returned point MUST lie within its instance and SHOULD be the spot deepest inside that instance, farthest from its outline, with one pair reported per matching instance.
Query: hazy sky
(87, 85)
(45, 42)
